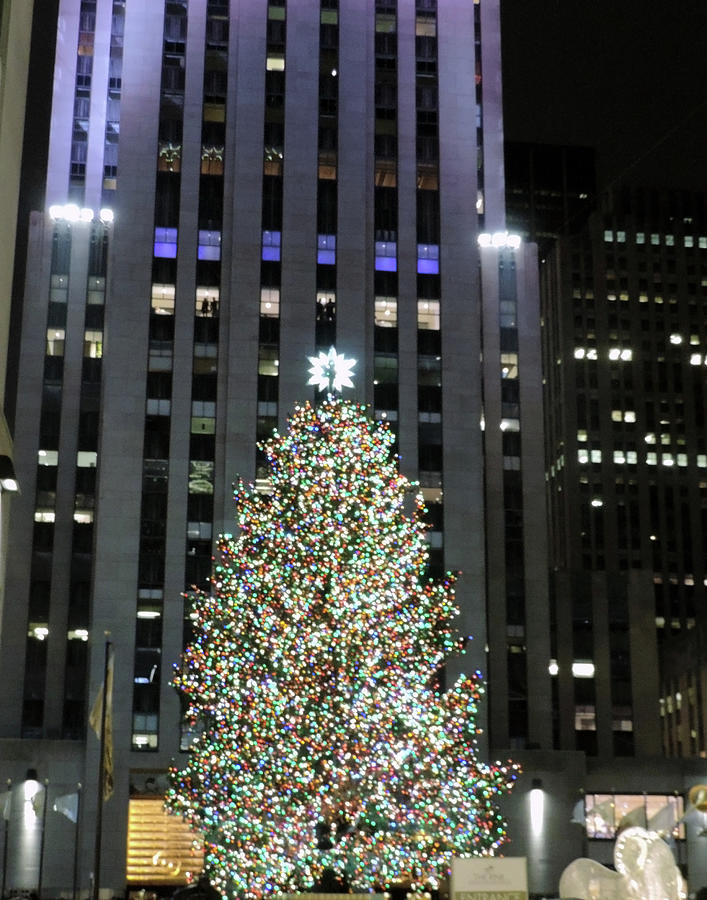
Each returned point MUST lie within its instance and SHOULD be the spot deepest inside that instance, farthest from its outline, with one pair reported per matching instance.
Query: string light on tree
(326, 743)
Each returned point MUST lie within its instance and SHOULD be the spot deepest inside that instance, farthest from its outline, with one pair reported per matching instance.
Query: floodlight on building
(8, 478)
(31, 789)
(537, 806)
(499, 240)
(583, 669)
(70, 212)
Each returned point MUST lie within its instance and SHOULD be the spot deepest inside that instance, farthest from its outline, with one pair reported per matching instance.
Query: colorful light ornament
(326, 743)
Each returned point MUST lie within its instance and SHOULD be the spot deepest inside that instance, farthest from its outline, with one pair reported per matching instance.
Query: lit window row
(85, 459)
(657, 298)
(587, 456)
(623, 415)
(655, 239)
(688, 580)
(386, 313)
(206, 300)
(669, 459)
(615, 353)
(93, 343)
(40, 632)
(581, 668)
(676, 339)
(81, 516)
(652, 438)
(209, 245)
(630, 457)
(385, 251)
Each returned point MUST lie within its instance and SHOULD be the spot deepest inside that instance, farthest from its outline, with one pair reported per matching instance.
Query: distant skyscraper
(624, 311)
(230, 188)
(550, 190)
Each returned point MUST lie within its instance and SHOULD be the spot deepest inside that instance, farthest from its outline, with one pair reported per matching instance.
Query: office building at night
(624, 322)
(15, 34)
(230, 188)
(623, 308)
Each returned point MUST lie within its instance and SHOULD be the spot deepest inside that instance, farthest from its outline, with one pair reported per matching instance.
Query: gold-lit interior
(162, 849)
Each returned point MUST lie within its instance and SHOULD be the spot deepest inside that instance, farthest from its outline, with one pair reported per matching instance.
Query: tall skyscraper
(232, 187)
(15, 31)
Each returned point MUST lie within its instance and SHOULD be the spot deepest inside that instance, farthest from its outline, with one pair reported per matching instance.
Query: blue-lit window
(166, 242)
(271, 246)
(428, 259)
(326, 249)
(386, 256)
(209, 245)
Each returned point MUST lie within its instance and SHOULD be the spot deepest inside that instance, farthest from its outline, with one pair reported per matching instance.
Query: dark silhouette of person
(201, 889)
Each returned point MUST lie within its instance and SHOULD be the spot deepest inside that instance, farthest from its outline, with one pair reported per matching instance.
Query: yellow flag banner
(95, 719)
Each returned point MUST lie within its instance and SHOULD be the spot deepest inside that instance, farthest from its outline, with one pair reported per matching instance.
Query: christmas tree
(327, 743)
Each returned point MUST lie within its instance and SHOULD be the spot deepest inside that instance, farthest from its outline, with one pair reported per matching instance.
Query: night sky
(628, 77)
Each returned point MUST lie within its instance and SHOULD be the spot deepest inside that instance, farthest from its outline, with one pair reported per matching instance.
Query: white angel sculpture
(645, 870)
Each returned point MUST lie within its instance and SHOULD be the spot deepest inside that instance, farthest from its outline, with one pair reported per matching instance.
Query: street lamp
(537, 806)
(6, 816)
(32, 790)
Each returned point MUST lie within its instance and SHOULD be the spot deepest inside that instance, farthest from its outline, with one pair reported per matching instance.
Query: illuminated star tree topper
(331, 371)
(313, 672)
